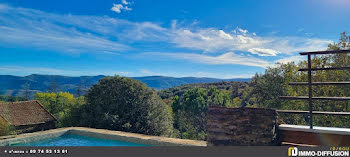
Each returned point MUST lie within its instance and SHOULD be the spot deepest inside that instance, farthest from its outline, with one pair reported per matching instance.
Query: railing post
(310, 88)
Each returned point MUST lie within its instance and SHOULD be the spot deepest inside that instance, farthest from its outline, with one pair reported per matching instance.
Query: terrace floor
(303, 135)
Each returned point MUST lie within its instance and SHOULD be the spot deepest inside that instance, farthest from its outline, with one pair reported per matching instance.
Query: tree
(64, 106)
(79, 89)
(218, 98)
(274, 83)
(120, 103)
(343, 44)
(191, 110)
(53, 86)
(6, 98)
(5, 128)
(26, 88)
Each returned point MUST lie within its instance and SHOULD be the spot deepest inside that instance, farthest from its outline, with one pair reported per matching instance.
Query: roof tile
(25, 113)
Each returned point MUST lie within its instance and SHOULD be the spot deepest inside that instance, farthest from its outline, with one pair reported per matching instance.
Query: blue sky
(201, 38)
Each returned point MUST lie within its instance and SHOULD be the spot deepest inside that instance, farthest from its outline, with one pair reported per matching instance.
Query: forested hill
(17, 85)
(233, 88)
(162, 82)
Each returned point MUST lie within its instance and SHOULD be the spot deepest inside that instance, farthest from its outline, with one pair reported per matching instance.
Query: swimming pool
(80, 136)
(78, 140)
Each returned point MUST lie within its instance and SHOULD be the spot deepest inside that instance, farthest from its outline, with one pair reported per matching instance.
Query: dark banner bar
(143, 151)
(239, 151)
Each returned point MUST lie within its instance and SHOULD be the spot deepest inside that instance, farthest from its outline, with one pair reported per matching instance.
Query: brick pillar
(241, 126)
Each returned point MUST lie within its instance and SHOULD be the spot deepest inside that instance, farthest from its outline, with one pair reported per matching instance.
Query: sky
(199, 38)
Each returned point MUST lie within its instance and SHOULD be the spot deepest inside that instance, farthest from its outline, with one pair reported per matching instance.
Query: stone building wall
(35, 127)
(241, 126)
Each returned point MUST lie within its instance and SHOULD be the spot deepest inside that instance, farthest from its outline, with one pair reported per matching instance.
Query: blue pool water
(78, 140)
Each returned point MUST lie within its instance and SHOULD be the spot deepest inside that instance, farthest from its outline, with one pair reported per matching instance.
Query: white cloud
(229, 58)
(240, 31)
(224, 35)
(102, 34)
(226, 58)
(62, 33)
(150, 73)
(295, 59)
(24, 70)
(213, 40)
(223, 76)
(76, 42)
(72, 33)
(146, 72)
(125, 2)
(263, 52)
(30, 70)
(119, 7)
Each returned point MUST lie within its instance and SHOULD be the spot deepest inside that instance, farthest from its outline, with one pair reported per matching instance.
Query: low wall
(241, 126)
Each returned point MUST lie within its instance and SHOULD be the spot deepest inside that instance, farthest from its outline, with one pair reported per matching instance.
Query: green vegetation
(64, 106)
(190, 110)
(5, 128)
(120, 103)
(190, 104)
(5, 98)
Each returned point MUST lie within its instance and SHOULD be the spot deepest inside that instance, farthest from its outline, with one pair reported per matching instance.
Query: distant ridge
(15, 85)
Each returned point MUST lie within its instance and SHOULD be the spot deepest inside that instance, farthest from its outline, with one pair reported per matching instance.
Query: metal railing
(310, 97)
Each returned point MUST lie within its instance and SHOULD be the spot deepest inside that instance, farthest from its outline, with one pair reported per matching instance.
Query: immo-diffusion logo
(293, 151)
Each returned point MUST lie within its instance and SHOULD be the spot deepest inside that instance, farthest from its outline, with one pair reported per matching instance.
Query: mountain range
(18, 85)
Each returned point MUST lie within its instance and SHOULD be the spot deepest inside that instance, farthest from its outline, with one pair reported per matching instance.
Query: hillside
(16, 85)
(234, 88)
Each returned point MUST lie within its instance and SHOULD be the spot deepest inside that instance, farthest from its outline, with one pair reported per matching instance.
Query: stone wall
(35, 127)
(241, 126)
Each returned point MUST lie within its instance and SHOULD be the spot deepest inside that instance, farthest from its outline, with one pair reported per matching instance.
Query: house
(26, 116)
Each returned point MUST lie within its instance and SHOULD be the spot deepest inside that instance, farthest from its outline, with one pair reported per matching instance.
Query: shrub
(5, 128)
(120, 103)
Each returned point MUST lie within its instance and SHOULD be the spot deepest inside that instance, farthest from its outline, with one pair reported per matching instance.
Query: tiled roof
(25, 113)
